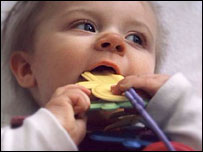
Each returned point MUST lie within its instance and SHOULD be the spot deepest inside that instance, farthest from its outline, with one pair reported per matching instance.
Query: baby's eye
(86, 27)
(135, 38)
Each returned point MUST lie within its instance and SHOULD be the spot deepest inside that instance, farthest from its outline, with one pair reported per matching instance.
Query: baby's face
(74, 37)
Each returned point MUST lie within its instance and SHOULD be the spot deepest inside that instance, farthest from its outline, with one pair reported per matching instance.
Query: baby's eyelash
(81, 21)
(140, 40)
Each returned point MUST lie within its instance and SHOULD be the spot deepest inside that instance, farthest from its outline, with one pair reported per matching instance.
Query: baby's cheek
(140, 63)
(147, 65)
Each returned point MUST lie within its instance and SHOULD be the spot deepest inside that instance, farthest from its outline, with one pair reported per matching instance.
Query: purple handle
(137, 101)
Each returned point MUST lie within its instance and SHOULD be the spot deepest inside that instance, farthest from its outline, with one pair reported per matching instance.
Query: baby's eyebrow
(80, 10)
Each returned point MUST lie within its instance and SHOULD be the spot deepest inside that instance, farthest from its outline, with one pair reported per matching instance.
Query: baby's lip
(106, 63)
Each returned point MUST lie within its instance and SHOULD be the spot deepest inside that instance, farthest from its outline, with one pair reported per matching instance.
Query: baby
(55, 42)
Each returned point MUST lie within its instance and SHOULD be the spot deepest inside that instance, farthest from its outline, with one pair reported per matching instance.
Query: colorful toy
(104, 105)
(124, 130)
(133, 137)
(100, 84)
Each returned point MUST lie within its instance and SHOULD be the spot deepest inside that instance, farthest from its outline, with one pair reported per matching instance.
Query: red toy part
(159, 146)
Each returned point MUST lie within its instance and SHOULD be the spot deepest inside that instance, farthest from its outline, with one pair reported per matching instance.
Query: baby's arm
(178, 111)
(54, 127)
(174, 106)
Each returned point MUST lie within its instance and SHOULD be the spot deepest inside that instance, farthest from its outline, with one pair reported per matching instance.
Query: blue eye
(86, 27)
(135, 38)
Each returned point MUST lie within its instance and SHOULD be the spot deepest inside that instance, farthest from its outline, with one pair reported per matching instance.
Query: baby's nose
(111, 42)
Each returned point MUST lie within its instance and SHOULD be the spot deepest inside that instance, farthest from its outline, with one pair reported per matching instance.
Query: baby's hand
(149, 83)
(69, 104)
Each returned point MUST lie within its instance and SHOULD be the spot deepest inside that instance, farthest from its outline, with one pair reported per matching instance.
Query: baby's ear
(21, 68)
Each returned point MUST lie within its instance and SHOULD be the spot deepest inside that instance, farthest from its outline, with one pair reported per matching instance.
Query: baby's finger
(79, 100)
(85, 90)
(148, 83)
(72, 86)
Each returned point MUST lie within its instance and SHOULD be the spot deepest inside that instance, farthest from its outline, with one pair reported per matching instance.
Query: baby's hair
(19, 27)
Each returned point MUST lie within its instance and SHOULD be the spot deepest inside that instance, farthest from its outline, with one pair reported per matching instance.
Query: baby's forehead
(63, 4)
(100, 6)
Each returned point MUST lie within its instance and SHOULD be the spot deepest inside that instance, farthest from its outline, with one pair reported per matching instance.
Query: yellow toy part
(100, 83)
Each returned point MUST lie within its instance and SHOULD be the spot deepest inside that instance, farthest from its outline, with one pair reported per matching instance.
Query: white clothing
(40, 132)
(178, 111)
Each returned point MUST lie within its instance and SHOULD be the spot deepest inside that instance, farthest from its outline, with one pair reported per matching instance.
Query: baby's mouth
(103, 68)
(99, 69)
